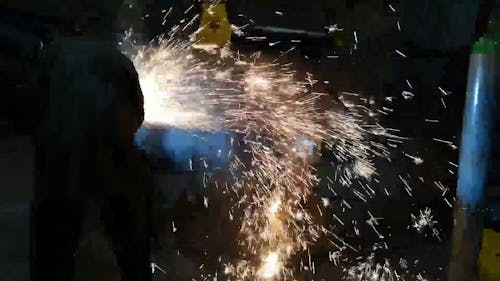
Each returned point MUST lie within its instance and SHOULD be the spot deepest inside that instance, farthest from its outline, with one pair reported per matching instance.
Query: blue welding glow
(188, 149)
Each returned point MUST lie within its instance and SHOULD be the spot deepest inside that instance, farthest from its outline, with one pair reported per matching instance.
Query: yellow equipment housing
(214, 25)
(489, 258)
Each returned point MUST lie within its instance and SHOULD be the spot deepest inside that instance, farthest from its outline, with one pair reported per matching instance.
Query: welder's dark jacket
(92, 107)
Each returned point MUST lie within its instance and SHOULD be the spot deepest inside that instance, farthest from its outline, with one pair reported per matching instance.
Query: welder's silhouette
(85, 153)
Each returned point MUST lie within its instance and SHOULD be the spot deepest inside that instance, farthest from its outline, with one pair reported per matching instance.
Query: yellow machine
(214, 25)
(489, 259)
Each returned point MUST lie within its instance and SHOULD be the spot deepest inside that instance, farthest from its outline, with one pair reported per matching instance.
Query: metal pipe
(473, 163)
(476, 128)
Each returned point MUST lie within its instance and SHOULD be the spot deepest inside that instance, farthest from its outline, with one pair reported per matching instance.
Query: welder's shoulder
(125, 64)
(101, 57)
(84, 47)
(122, 59)
(65, 46)
(104, 56)
(110, 57)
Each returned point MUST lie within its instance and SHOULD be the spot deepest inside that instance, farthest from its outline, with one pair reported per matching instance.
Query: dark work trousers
(56, 226)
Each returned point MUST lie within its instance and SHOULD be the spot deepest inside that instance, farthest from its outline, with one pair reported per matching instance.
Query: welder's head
(97, 16)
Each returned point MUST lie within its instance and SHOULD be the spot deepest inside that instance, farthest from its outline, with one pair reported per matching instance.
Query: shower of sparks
(425, 221)
(369, 270)
(276, 128)
(274, 114)
(171, 79)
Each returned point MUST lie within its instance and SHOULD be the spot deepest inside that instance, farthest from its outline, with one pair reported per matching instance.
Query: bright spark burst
(271, 267)
(278, 127)
(172, 80)
(425, 221)
(369, 270)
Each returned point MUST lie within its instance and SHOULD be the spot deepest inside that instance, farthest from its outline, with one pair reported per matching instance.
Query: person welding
(92, 107)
